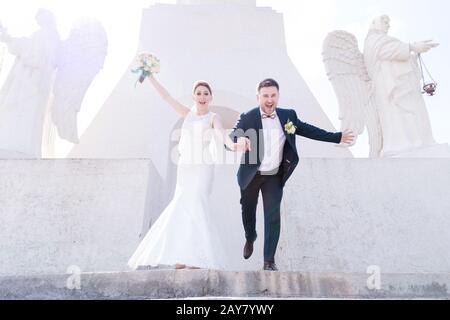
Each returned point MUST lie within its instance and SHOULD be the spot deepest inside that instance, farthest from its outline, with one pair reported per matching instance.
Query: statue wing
(345, 68)
(81, 57)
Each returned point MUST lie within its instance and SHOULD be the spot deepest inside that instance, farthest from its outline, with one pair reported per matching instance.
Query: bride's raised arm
(177, 106)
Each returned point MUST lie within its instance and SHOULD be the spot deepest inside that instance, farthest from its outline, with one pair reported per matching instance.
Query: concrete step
(185, 284)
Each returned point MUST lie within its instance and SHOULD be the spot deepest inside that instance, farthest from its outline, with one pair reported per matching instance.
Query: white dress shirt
(274, 141)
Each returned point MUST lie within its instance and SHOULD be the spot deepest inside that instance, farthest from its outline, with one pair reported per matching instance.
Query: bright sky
(306, 24)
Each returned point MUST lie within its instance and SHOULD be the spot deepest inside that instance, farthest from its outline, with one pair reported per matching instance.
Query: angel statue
(380, 89)
(48, 81)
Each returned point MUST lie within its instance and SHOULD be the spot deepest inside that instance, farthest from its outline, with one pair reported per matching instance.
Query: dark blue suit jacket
(250, 125)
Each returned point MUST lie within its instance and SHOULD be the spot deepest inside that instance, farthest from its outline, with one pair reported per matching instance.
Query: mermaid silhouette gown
(186, 233)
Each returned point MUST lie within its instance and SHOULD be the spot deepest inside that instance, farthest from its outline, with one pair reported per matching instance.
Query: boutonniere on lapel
(289, 127)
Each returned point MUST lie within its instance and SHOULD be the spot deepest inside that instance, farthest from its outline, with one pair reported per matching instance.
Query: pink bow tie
(267, 116)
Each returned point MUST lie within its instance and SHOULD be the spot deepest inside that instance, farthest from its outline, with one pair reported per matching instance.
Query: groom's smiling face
(268, 99)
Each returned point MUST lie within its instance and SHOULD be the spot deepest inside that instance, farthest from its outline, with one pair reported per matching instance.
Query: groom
(268, 134)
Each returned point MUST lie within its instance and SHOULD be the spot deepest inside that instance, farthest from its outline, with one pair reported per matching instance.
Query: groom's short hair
(267, 83)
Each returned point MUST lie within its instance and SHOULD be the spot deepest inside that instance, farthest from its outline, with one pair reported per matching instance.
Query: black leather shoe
(270, 266)
(248, 250)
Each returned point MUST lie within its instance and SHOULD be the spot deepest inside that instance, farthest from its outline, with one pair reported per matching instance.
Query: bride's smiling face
(202, 97)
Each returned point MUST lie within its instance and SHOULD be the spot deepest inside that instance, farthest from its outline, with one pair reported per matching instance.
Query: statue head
(381, 23)
(45, 18)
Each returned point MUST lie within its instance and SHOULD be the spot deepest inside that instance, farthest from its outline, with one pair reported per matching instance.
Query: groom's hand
(348, 137)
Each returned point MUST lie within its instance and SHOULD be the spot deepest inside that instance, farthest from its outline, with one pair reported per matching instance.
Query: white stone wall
(347, 215)
(338, 215)
(55, 214)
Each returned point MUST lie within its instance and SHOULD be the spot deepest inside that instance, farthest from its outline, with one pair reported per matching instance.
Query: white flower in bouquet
(147, 64)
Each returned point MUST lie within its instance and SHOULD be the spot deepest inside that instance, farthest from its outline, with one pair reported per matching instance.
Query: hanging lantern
(430, 89)
(430, 86)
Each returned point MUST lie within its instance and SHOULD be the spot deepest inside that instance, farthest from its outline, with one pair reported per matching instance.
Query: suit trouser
(272, 193)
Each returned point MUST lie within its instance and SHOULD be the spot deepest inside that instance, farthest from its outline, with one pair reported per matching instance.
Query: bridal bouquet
(147, 64)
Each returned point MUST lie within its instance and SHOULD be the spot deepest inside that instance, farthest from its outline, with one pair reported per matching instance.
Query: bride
(184, 235)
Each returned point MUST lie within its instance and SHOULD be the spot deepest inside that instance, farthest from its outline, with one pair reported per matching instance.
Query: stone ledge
(171, 284)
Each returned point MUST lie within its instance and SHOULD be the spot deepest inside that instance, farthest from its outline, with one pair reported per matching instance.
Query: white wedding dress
(186, 233)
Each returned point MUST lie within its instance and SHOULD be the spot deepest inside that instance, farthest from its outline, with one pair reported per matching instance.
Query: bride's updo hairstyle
(202, 84)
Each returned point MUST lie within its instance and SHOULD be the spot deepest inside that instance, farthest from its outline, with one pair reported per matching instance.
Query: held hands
(243, 145)
(423, 46)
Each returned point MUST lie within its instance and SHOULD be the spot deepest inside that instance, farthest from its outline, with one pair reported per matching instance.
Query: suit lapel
(258, 119)
(283, 117)
(259, 133)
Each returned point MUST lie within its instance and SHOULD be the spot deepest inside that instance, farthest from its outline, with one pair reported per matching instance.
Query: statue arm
(422, 46)
(395, 50)
(177, 106)
(18, 46)
(26, 47)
